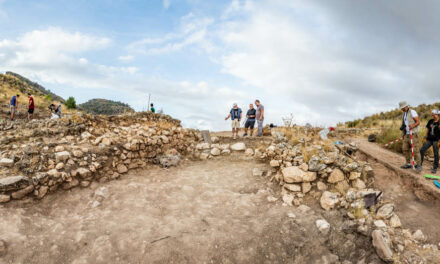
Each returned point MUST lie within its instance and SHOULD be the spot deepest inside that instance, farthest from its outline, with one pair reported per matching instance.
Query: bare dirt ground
(408, 190)
(200, 212)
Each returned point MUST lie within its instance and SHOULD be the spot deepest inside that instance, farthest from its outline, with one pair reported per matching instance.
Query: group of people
(410, 129)
(252, 115)
(14, 106)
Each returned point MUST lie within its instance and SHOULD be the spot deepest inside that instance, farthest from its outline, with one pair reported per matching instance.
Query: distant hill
(25, 85)
(423, 110)
(105, 107)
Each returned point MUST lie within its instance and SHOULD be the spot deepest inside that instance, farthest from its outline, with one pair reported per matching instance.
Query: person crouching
(432, 137)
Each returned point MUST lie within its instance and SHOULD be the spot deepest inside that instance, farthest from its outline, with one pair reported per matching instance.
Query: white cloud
(126, 58)
(192, 31)
(166, 3)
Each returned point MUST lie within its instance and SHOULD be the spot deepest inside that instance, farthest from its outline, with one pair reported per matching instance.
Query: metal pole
(148, 106)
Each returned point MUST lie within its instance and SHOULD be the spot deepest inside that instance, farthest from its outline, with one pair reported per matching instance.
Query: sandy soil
(202, 212)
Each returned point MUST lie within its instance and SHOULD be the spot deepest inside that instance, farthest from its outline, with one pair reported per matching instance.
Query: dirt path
(406, 189)
(200, 212)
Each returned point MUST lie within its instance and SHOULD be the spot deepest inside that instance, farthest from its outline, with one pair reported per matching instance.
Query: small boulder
(288, 199)
(122, 168)
(14, 183)
(249, 152)
(292, 187)
(321, 186)
(395, 221)
(336, 176)
(274, 163)
(83, 172)
(382, 244)
(329, 200)
(306, 187)
(4, 198)
(22, 193)
(239, 146)
(294, 174)
(215, 152)
(323, 226)
(62, 156)
(418, 236)
(257, 172)
(359, 184)
(385, 211)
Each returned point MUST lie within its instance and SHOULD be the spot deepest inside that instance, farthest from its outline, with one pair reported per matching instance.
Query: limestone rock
(323, 226)
(167, 161)
(321, 186)
(257, 172)
(359, 184)
(315, 164)
(382, 244)
(62, 156)
(239, 146)
(380, 224)
(288, 199)
(354, 175)
(292, 187)
(306, 187)
(249, 152)
(78, 153)
(54, 173)
(304, 167)
(4, 162)
(42, 192)
(203, 146)
(329, 200)
(385, 211)
(4, 198)
(215, 152)
(14, 183)
(122, 168)
(274, 163)
(336, 176)
(22, 193)
(83, 173)
(59, 148)
(295, 175)
(395, 221)
(418, 236)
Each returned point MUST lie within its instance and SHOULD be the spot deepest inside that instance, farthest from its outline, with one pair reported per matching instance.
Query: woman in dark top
(432, 137)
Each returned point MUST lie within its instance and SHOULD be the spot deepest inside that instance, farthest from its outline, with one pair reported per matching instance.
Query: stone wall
(41, 156)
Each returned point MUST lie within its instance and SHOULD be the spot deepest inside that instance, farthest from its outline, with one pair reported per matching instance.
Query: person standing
(260, 117)
(432, 137)
(31, 107)
(14, 105)
(152, 109)
(410, 125)
(250, 120)
(235, 115)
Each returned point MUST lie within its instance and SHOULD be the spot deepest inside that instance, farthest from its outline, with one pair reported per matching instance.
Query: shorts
(31, 110)
(235, 123)
(249, 124)
(13, 109)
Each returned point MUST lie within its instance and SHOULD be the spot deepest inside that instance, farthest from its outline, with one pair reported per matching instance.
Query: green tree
(71, 103)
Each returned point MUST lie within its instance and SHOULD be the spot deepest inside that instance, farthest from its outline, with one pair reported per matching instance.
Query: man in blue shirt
(14, 105)
(235, 115)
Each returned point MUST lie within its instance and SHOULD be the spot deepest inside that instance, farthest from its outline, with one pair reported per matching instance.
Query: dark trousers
(426, 146)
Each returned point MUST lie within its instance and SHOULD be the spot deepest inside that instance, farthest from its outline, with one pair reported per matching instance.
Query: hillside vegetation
(105, 107)
(13, 83)
(390, 122)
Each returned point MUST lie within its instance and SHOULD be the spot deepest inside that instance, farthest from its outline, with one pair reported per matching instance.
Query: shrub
(71, 103)
(48, 97)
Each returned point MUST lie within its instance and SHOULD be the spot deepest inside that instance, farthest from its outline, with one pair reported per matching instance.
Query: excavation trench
(216, 211)
(417, 206)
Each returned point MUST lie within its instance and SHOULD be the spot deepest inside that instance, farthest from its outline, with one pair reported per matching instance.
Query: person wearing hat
(432, 137)
(410, 125)
(235, 115)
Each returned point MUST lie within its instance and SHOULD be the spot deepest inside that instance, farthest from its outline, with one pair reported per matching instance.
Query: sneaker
(418, 168)
(434, 170)
(244, 134)
(235, 137)
(406, 166)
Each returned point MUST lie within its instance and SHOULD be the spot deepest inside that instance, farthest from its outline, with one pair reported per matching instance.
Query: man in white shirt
(410, 125)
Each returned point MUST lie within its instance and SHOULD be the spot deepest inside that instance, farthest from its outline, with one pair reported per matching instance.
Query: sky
(322, 61)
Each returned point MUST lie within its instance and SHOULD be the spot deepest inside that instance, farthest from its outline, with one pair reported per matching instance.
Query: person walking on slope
(410, 125)
(250, 120)
(260, 117)
(14, 105)
(31, 107)
(152, 109)
(235, 115)
(432, 137)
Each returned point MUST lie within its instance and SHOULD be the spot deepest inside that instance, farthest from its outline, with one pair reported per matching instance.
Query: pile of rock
(43, 155)
(319, 169)
(207, 151)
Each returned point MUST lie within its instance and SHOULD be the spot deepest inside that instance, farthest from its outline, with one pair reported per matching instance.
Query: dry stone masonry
(41, 156)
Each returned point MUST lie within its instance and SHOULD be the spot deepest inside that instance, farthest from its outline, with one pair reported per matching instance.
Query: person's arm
(228, 116)
(261, 114)
(417, 123)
